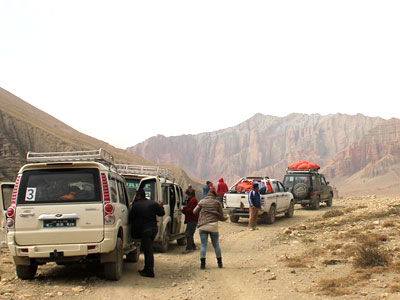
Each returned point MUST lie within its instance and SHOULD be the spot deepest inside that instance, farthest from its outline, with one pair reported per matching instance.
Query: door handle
(26, 214)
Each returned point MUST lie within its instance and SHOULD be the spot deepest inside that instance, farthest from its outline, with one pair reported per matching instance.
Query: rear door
(5, 202)
(59, 206)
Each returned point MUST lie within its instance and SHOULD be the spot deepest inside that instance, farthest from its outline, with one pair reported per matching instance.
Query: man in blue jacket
(255, 205)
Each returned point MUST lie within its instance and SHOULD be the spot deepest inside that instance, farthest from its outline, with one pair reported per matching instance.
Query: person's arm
(197, 209)
(159, 210)
(221, 213)
(188, 209)
(251, 198)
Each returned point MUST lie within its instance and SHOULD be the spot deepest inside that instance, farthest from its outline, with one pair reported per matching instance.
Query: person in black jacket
(144, 226)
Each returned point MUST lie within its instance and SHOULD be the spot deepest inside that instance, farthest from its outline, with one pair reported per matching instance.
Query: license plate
(59, 223)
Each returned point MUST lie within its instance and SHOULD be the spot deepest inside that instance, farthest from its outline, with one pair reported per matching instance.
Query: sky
(123, 71)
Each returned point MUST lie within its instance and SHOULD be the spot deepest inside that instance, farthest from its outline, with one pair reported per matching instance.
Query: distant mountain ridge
(266, 145)
(25, 128)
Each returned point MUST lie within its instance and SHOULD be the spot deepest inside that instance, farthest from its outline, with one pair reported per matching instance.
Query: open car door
(6, 190)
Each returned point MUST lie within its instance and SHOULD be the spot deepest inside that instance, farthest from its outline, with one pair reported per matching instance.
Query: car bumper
(62, 250)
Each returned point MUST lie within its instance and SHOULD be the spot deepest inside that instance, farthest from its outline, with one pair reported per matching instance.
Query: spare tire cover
(300, 190)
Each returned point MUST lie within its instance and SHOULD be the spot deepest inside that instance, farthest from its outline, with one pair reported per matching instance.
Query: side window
(6, 193)
(281, 188)
(323, 181)
(315, 181)
(113, 190)
(122, 193)
(172, 195)
(275, 186)
(288, 180)
(178, 196)
(165, 190)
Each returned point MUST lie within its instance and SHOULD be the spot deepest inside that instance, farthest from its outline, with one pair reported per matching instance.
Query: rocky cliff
(262, 145)
(25, 128)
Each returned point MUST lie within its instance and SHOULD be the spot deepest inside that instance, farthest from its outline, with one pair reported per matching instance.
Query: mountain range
(25, 128)
(358, 154)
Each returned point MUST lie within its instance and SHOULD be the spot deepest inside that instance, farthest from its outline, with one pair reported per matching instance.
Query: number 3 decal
(30, 194)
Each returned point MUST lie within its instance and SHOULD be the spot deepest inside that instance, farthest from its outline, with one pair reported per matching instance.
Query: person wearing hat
(255, 205)
(143, 219)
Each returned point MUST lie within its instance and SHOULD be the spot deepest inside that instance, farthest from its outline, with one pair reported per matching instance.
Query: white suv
(68, 207)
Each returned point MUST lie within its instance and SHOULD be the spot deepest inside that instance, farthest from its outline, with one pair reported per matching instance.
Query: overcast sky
(123, 71)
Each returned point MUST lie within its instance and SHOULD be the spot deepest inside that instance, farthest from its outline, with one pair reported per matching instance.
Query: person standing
(206, 188)
(143, 219)
(190, 220)
(211, 212)
(255, 204)
(222, 188)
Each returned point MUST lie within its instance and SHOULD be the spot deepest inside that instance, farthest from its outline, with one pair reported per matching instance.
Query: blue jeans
(204, 241)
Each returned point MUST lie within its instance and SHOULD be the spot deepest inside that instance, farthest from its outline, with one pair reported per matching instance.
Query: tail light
(109, 218)
(11, 210)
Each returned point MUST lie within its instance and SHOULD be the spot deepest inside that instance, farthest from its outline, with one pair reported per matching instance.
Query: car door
(278, 194)
(284, 199)
(324, 188)
(180, 216)
(5, 202)
(123, 204)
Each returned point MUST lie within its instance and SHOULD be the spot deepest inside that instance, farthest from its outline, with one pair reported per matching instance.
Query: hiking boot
(202, 263)
(219, 260)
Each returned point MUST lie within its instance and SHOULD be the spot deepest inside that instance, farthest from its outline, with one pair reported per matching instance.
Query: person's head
(208, 182)
(212, 194)
(221, 180)
(189, 193)
(140, 194)
(255, 187)
(190, 186)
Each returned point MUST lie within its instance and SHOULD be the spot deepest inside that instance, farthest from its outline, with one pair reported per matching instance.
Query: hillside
(25, 128)
(266, 145)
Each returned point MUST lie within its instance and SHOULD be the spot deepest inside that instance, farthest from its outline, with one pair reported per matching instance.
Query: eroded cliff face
(262, 145)
(373, 155)
(25, 128)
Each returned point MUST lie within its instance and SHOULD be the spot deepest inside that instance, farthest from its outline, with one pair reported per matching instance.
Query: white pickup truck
(275, 200)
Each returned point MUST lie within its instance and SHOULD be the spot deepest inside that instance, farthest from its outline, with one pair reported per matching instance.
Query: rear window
(132, 185)
(59, 186)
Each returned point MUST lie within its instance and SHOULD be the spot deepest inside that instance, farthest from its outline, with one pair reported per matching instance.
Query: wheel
(330, 201)
(303, 205)
(113, 271)
(165, 241)
(181, 241)
(270, 217)
(315, 203)
(26, 272)
(300, 190)
(133, 256)
(234, 218)
(289, 213)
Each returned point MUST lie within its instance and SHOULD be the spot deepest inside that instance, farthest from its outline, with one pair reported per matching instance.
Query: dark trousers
(190, 230)
(147, 245)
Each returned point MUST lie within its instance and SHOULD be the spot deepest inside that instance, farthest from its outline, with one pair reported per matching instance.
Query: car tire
(271, 215)
(113, 270)
(330, 201)
(315, 203)
(300, 190)
(133, 256)
(289, 213)
(26, 272)
(165, 241)
(304, 204)
(234, 219)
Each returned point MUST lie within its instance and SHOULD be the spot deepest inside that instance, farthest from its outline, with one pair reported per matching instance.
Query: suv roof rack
(100, 155)
(292, 171)
(125, 169)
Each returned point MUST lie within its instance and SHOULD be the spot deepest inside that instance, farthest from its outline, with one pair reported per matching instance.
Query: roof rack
(125, 169)
(302, 171)
(100, 155)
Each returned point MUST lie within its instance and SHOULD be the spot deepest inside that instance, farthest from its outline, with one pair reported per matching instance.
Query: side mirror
(327, 182)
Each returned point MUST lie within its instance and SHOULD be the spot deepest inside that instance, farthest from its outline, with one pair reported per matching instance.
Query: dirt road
(254, 268)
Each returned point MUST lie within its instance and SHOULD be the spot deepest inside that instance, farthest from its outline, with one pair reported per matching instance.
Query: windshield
(59, 186)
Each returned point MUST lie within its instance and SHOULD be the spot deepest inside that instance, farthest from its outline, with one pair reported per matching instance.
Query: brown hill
(25, 128)
(265, 145)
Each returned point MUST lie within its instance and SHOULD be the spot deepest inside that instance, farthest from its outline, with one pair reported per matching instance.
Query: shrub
(333, 213)
(371, 256)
